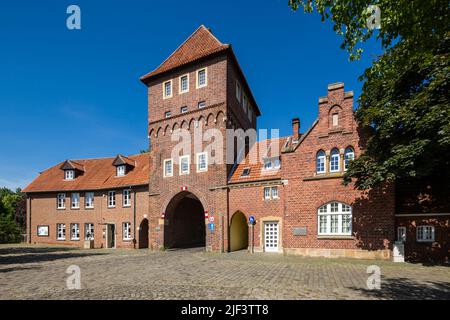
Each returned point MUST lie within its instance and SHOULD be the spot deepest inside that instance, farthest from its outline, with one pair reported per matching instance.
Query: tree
(9, 202)
(404, 105)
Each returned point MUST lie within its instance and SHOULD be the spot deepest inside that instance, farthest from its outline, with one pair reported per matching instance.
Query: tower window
(184, 83)
(335, 119)
(167, 89)
(202, 80)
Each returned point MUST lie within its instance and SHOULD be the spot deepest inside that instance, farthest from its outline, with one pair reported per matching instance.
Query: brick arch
(190, 124)
(209, 119)
(174, 126)
(238, 231)
(158, 132)
(184, 125)
(196, 192)
(220, 117)
(166, 129)
(334, 200)
(335, 109)
(151, 132)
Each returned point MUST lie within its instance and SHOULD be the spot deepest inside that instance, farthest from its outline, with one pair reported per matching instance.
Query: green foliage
(10, 202)
(404, 106)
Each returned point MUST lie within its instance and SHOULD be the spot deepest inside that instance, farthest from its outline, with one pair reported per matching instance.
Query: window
(250, 114)
(126, 227)
(202, 80)
(270, 193)
(267, 165)
(120, 170)
(167, 89)
(126, 198)
(69, 174)
(89, 199)
(349, 155)
(334, 160)
(425, 233)
(89, 231)
(111, 199)
(202, 162)
(168, 168)
(184, 109)
(60, 231)
(245, 172)
(320, 162)
(244, 103)
(167, 114)
(276, 164)
(75, 203)
(184, 83)
(61, 201)
(401, 234)
(184, 164)
(335, 119)
(335, 218)
(238, 92)
(74, 231)
(201, 104)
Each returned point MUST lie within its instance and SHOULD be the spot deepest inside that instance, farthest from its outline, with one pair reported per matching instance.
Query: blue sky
(76, 94)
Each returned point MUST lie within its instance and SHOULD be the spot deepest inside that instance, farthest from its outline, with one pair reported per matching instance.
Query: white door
(271, 237)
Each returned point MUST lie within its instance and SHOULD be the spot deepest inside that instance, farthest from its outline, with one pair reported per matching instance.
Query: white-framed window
(238, 92)
(267, 165)
(183, 109)
(274, 192)
(273, 163)
(425, 233)
(111, 199)
(167, 114)
(202, 78)
(126, 198)
(61, 201)
(276, 164)
(184, 83)
(89, 199)
(267, 193)
(126, 230)
(401, 234)
(334, 218)
(120, 170)
(201, 104)
(334, 160)
(349, 155)
(184, 164)
(335, 119)
(69, 174)
(88, 231)
(74, 231)
(270, 193)
(202, 162)
(320, 161)
(60, 231)
(167, 89)
(168, 168)
(75, 200)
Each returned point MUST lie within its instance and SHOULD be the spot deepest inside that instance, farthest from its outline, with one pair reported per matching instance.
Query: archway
(185, 222)
(143, 234)
(238, 232)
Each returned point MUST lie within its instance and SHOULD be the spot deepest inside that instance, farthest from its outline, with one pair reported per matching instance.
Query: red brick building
(202, 181)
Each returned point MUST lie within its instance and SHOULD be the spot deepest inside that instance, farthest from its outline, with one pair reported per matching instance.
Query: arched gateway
(185, 222)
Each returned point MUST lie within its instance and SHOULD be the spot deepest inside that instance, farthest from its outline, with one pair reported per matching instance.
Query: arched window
(334, 218)
(320, 162)
(334, 160)
(349, 155)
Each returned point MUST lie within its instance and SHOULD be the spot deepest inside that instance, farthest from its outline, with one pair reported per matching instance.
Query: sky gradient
(72, 94)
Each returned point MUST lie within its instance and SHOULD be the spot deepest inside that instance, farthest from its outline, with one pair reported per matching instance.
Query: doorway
(110, 235)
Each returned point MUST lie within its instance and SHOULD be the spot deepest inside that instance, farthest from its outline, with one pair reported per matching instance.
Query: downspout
(134, 218)
(29, 222)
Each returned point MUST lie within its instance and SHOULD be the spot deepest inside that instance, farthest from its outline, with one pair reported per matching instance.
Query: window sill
(127, 206)
(60, 208)
(111, 207)
(74, 239)
(321, 176)
(335, 237)
(89, 208)
(77, 208)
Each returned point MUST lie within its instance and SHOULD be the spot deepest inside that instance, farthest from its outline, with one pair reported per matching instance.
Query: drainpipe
(134, 218)
(29, 222)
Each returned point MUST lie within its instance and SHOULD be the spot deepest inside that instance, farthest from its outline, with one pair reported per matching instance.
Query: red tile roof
(99, 174)
(257, 171)
(200, 44)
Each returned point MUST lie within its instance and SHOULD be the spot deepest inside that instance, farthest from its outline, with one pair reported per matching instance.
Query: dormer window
(245, 172)
(272, 163)
(69, 174)
(121, 170)
(267, 165)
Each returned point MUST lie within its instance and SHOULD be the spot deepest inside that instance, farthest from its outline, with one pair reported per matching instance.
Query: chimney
(295, 129)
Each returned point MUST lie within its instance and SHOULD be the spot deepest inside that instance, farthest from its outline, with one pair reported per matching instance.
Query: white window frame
(425, 227)
(401, 234)
(197, 81)
(322, 159)
(184, 108)
(61, 201)
(180, 89)
(325, 211)
(335, 116)
(126, 198)
(268, 165)
(201, 103)
(111, 199)
(267, 193)
(89, 204)
(349, 155)
(126, 231)
(167, 114)
(200, 154)
(75, 235)
(75, 200)
(182, 158)
(60, 231)
(238, 92)
(121, 170)
(164, 89)
(69, 174)
(165, 174)
(338, 156)
(89, 228)
(274, 195)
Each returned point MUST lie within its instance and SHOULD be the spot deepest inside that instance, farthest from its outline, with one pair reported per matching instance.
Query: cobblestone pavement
(37, 272)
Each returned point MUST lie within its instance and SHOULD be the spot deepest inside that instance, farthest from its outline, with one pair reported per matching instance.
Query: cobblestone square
(39, 272)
